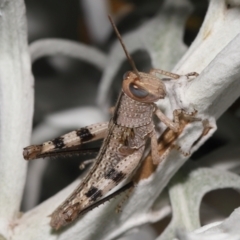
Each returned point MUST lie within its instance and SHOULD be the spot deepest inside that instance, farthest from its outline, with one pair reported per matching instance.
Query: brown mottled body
(119, 156)
(122, 149)
(124, 136)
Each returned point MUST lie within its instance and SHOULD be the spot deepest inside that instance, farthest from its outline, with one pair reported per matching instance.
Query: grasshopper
(125, 137)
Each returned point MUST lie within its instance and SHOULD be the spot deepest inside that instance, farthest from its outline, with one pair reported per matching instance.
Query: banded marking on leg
(58, 143)
(84, 134)
(67, 141)
(107, 198)
(116, 176)
(69, 214)
(94, 193)
(121, 171)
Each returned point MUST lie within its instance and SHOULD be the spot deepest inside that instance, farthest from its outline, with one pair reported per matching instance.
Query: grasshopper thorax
(147, 89)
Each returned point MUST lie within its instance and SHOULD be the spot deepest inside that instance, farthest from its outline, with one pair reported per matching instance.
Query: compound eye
(137, 92)
(125, 75)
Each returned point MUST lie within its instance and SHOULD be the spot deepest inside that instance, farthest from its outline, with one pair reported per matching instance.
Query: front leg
(173, 125)
(156, 157)
(70, 140)
(172, 75)
(165, 73)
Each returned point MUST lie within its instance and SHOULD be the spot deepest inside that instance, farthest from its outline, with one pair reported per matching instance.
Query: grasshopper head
(148, 89)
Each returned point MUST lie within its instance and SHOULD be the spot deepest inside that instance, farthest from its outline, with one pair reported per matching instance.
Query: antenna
(124, 47)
